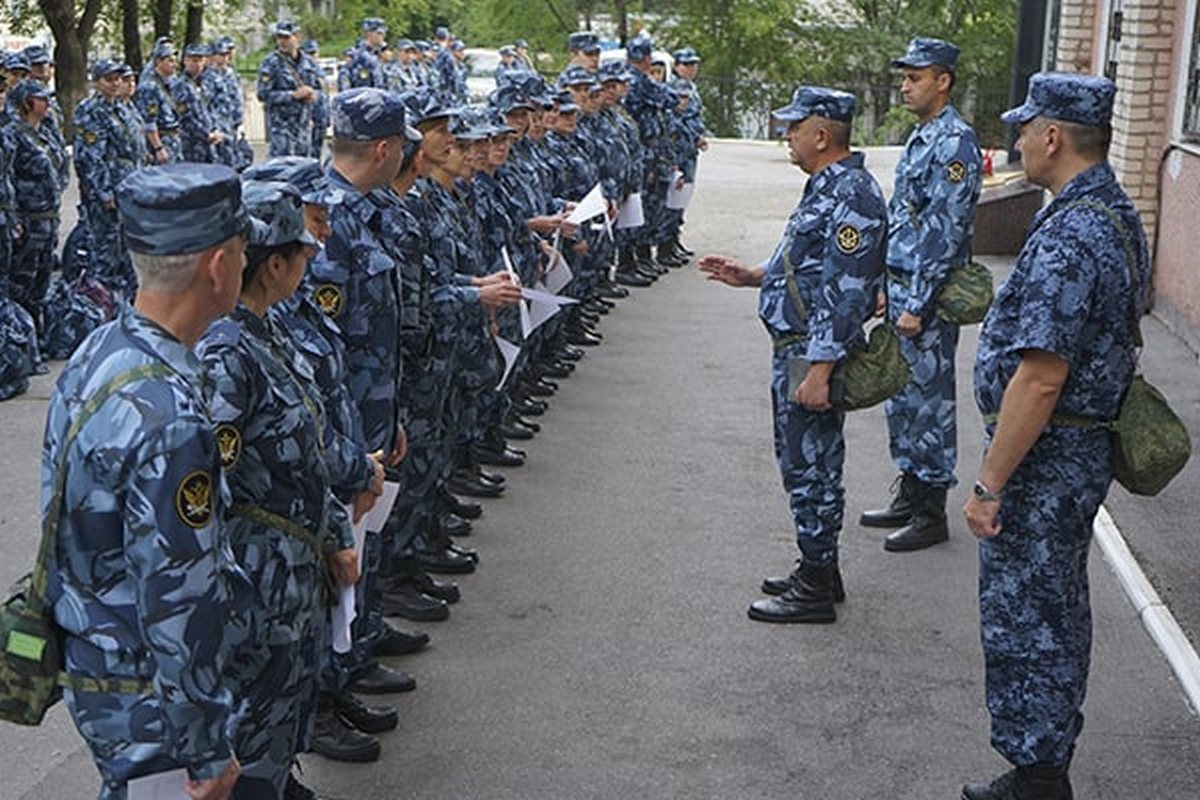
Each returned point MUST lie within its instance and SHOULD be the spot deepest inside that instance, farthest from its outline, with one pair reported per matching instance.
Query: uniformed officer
(223, 89)
(314, 76)
(692, 136)
(1056, 356)
(932, 218)
(287, 99)
(584, 50)
(144, 584)
(41, 69)
(199, 132)
(39, 178)
(284, 523)
(817, 289)
(365, 67)
(18, 337)
(108, 148)
(157, 107)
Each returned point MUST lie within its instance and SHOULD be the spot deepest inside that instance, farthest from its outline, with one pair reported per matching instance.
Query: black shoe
(633, 278)
(445, 562)
(512, 430)
(403, 599)
(396, 642)
(899, 511)
(571, 354)
(474, 487)
(808, 600)
(682, 250)
(383, 680)
(494, 478)
(454, 525)
(441, 590)
(667, 258)
(928, 526)
(365, 718)
(780, 584)
(336, 739)
(583, 338)
(295, 790)
(558, 369)
(499, 458)
(541, 388)
(529, 407)
(612, 291)
(1024, 783)
(455, 506)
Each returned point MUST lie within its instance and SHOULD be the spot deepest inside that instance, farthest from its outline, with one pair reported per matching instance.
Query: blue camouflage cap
(924, 52)
(423, 45)
(27, 90)
(507, 50)
(405, 44)
(285, 27)
(196, 49)
(615, 71)
(576, 76)
(521, 44)
(36, 54)
(303, 173)
(809, 101)
(224, 44)
(367, 113)
(163, 50)
(471, 124)
(566, 103)
(640, 47)
(457, 45)
(374, 24)
(686, 55)
(425, 105)
(126, 70)
(277, 204)
(16, 62)
(441, 32)
(585, 41)
(509, 99)
(105, 66)
(1082, 99)
(310, 46)
(176, 209)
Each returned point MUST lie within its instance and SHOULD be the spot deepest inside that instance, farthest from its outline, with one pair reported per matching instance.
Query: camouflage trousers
(125, 734)
(108, 259)
(196, 149)
(173, 144)
(1035, 614)
(811, 450)
(289, 137)
(32, 262)
(424, 395)
(922, 423)
(654, 208)
(338, 669)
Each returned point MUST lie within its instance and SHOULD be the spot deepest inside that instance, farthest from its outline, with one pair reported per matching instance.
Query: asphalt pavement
(603, 651)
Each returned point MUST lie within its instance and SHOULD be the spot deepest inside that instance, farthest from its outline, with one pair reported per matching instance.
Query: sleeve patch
(848, 238)
(956, 171)
(194, 499)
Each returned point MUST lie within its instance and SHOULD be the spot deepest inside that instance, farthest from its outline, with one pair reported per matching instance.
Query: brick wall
(1076, 34)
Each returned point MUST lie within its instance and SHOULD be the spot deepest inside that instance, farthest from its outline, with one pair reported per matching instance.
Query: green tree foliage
(544, 23)
(415, 19)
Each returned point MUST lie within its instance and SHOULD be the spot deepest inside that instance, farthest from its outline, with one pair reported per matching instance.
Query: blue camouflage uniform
(651, 104)
(108, 148)
(932, 219)
(289, 121)
(833, 245)
(157, 106)
(144, 584)
(196, 122)
(365, 67)
(223, 89)
(314, 76)
(1074, 292)
(39, 176)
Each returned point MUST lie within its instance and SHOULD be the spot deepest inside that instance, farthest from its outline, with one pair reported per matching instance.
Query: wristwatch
(985, 494)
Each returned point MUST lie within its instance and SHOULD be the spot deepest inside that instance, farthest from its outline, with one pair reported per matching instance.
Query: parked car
(481, 75)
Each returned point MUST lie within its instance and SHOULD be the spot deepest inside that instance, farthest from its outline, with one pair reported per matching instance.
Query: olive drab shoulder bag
(31, 653)
(1151, 445)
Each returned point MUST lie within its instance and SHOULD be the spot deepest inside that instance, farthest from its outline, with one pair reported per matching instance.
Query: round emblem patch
(89, 137)
(229, 445)
(329, 299)
(956, 171)
(848, 238)
(194, 499)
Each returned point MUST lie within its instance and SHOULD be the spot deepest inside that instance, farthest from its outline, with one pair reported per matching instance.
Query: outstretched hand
(730, 271)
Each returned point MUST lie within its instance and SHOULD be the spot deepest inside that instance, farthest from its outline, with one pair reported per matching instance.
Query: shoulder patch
(229, 445)
(194, 499)
(89, 137)
(956, 171)
(329, 299)
(848, 238)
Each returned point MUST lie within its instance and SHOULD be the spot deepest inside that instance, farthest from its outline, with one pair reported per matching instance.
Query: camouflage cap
(441, 32)
(584, 41)
(197, 49)
(285, 27)
(472, 124)
(27, 90)
(224, 44)
(36, 54)
(177, 209)
(105, 66)
(576, 76)
(508, 50)
(1082, 99)
(923, 52)
(817, 101)
(405, 44)
(423, 45)
(127, 70)
(686, 55)
(366, 113)
(521, 44)
(374, 24)
(509, 99)
(279, 205)
(310, 46)
(566, 103)
(639, 47)
(16, 62)
(163, 50)
(303, 173)
(615, 71)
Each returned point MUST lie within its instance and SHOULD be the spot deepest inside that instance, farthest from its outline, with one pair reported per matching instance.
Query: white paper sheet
(343, 614)
(160, 786)
(541, 296)
(593, 204)
(679, 198)
(558, 274)
(522, 308)
(509, 352)
(631, 215)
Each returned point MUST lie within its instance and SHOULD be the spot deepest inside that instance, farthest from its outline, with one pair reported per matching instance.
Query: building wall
(1077, 31)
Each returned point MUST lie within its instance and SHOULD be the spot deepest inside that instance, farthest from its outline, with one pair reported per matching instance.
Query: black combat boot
(1024, 783)
(780, 584)
(335, 739)
(809, 599)
(899, 512)
(928, 526)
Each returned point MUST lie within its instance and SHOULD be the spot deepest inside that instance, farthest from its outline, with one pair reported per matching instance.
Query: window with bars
(1112, 42)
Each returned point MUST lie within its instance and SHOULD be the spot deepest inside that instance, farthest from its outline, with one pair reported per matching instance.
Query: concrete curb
(1157, 619)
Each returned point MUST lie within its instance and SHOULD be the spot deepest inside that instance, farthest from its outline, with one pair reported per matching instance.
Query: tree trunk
(71, 39)
(163, 10)
(622, 20)
(195, 22)
(130, 35)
